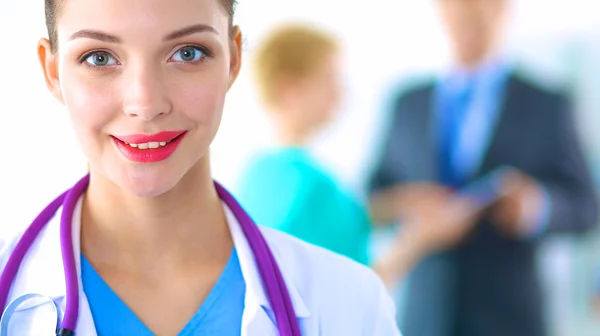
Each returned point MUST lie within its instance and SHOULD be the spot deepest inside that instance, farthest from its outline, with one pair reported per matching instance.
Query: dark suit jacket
(496, 292)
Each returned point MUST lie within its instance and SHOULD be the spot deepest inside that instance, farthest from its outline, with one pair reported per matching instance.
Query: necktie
(455, 105)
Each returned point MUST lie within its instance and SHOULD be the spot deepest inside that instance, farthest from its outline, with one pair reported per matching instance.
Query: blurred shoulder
(541, 85)
(411, 87)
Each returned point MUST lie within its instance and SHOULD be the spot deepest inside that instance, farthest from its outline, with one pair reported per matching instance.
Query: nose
(145, 94)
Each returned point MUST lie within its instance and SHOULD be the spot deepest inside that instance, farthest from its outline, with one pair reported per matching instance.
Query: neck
(469, 61)
(182, 227)
(290, 132)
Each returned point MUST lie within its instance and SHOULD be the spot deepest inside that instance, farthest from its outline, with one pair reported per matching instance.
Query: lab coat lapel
(256, 321)
(85, 324)
(258, 318)
(42, 270)
(85, 321)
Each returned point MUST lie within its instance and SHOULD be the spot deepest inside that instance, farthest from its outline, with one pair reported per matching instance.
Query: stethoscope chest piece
(38, 314)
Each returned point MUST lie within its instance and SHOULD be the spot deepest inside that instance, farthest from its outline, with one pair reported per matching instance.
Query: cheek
(91, 104)
(201, 99)
(334, 90)
(326, 93)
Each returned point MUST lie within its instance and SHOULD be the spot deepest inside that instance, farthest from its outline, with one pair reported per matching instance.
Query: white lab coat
(331, 295)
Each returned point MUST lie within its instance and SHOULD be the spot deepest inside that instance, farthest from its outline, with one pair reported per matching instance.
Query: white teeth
(149, 145)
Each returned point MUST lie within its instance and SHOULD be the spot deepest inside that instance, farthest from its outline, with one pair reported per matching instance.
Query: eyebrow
(197, 28)
(96, 35)
(105, 37)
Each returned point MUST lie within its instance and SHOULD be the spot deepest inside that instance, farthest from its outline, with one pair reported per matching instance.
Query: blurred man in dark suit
(479, 116)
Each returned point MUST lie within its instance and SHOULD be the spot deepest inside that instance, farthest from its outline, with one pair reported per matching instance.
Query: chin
(150, 190)
(146, 180)
(147, 183)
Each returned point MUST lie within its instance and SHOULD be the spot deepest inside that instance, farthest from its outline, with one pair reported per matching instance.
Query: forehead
(467, 3)
(139, 17)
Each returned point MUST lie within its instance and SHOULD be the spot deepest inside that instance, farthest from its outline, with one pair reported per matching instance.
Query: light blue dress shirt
(477, 122)
(219, 315)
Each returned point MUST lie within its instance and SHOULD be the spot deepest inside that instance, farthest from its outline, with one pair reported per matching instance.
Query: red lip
(149, 155)
(144, 138)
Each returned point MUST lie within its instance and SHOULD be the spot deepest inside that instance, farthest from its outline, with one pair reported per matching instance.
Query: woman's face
(144, 82)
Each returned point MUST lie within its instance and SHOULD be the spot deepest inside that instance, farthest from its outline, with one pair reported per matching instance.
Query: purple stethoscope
(270, 273)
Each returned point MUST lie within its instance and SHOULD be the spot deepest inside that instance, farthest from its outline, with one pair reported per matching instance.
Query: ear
(49, 63)
(236, 55)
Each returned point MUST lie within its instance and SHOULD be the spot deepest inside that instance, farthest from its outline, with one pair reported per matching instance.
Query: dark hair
(52, 9)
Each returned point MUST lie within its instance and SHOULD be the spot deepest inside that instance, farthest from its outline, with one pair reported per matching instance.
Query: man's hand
(441, 224)
(433, 225)
(418, 197)
(401, 200)
(516, 213)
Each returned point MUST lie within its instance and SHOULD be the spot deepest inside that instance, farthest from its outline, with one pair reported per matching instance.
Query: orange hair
(294, 51)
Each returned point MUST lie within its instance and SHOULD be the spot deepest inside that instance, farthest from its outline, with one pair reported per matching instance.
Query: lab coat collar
(255, 293)
(42, 273)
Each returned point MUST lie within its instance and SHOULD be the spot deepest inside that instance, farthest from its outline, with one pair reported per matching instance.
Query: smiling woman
(148, 242)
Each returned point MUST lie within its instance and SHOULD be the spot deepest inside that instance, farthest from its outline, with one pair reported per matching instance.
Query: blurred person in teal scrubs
(297, 69)
(298, 72)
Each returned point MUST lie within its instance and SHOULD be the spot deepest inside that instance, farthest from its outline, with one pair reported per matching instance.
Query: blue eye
(188, 54)
(100, 59)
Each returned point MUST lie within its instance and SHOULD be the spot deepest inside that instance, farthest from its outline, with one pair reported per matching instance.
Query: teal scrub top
(286, 189)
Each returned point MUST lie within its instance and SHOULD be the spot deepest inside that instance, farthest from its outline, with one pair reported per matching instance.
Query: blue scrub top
(219, 315)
